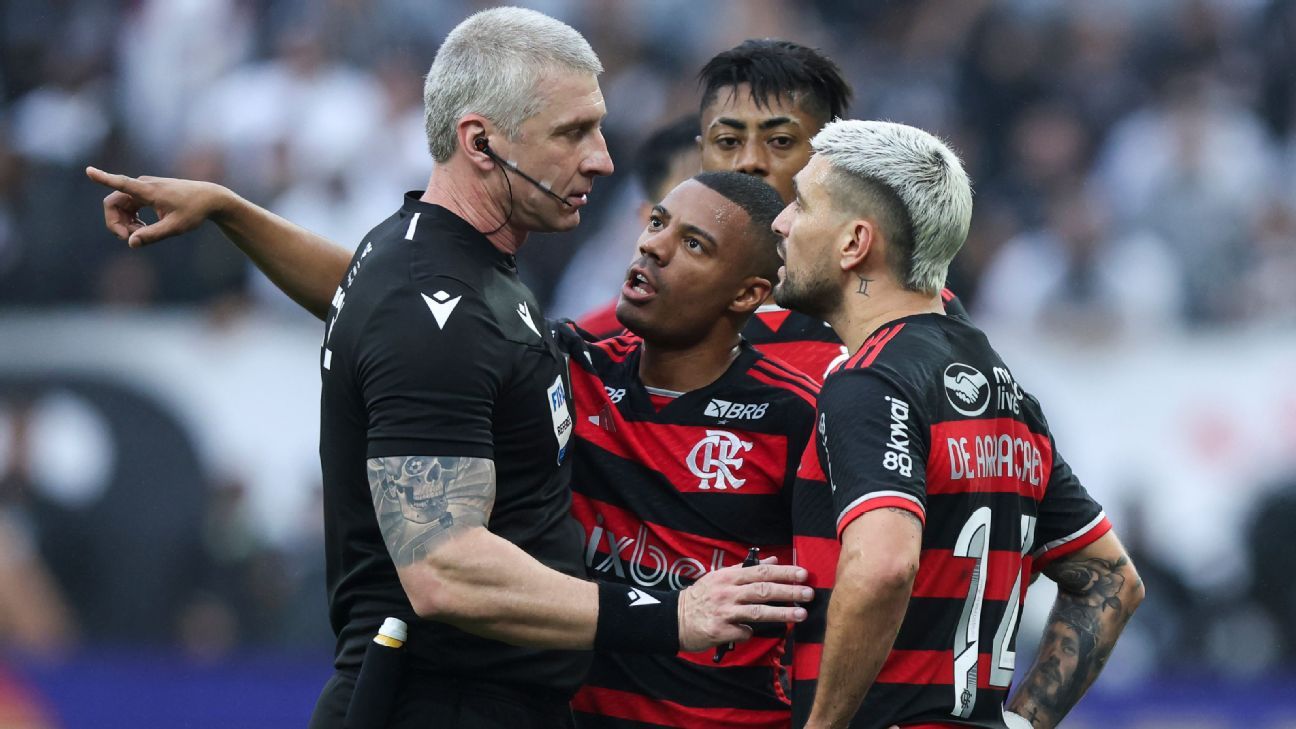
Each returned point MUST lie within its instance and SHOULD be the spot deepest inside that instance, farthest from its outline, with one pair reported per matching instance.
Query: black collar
(436, 223)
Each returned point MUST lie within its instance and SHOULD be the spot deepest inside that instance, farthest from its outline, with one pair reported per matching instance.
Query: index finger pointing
(125, 184)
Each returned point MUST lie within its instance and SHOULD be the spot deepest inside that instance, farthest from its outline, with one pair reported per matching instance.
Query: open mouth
(638, 286)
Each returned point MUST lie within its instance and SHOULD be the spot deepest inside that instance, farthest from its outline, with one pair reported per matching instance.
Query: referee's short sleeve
(431, 364)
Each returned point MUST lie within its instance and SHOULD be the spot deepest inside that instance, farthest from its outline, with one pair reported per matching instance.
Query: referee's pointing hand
(181, 205)
(718, 607)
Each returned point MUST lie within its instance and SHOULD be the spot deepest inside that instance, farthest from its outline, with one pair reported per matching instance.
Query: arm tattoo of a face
(1081, 632)
(421, 500)
(863, 285)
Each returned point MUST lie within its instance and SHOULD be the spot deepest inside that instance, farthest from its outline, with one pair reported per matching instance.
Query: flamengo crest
(715, 458)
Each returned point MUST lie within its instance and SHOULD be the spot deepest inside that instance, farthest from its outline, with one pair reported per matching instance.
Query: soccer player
(666, 158)
(445, 420)
(948, 490)
(762, 101)
(686, 450)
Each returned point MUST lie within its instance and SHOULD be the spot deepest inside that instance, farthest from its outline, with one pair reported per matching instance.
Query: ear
(698, 139)
(861, 238)
(754, 291)
(469, 128)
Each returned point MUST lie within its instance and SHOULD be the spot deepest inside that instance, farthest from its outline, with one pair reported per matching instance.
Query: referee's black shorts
(425, 701)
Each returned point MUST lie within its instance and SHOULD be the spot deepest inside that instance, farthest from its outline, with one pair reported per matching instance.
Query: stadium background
(1132, 254)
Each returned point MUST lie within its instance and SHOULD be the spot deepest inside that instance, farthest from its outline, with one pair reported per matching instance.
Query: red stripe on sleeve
(880, 502)
(634, 707)
(1080, 542)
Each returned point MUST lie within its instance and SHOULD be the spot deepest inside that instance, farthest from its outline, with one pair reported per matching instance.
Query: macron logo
(525, 312)
(638, 598)
(441, 305)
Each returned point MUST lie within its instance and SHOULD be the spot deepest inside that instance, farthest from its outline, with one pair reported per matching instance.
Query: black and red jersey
(926, 417)
(806, 343)
(668, 487)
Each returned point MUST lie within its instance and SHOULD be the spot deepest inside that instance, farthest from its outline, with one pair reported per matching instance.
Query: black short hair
(778, 68)
(653, 158)
(763, 205)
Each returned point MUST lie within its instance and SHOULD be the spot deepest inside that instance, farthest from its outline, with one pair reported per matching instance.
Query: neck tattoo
(863, 286)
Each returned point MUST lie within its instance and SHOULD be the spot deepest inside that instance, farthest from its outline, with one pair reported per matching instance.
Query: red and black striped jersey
(806, 343)
(926, 417)
(669, 487)
(814, 540)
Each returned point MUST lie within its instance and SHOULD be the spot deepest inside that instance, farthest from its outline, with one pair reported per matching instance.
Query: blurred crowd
(1137, 159)
(1134, 167)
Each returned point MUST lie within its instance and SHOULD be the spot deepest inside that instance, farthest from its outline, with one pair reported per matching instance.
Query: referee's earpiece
(481, 144)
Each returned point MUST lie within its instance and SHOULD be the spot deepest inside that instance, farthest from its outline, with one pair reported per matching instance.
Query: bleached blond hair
(490, 65)
(913, 182)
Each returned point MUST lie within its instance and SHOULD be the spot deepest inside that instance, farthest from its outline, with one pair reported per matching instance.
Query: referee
(445, 408)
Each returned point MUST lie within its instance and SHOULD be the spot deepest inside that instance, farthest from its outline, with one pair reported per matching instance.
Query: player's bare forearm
(1098, 591)
(305, 266)
(875, 575)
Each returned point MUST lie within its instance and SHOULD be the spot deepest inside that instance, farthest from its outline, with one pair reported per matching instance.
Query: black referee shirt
(434, 347)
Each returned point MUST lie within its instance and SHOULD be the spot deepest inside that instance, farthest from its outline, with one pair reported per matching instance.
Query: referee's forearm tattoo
(421, 500)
